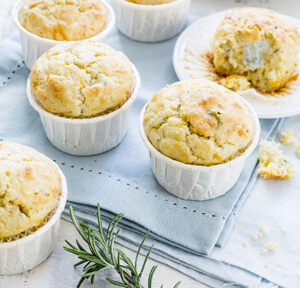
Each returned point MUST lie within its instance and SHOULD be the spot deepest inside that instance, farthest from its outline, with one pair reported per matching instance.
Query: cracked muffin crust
(82, 79)
(61, 20)
(259, 44)
(29, 187)
(198, 122)
(150, 2)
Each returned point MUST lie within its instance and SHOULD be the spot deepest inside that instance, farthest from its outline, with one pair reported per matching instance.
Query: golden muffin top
(259, 44)
(60, 20)
(198, 122)
(150, 2)
(81, 79)
(29, 187)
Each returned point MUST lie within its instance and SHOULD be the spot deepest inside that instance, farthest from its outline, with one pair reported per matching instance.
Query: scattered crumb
(288, 137)
(264, 251)
(236, 82)
(271, 246)
(278, 263)
(223, 261)
(245, 243)
(254, 236)
(272, 163)
(298, 151)
(264, 229)
(261, 235)
(283, 229)
(298, 275)
(266, 265)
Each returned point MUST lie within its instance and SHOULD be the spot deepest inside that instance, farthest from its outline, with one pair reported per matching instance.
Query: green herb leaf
(103, 256)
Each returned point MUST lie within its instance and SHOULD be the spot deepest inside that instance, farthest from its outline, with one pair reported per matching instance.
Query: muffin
(63, 20)
(150, 2)
(29, 188)
(259, 44)
(198, 122)
(82, 79)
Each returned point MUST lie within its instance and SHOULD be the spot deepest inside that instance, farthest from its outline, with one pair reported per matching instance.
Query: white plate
(197, 39)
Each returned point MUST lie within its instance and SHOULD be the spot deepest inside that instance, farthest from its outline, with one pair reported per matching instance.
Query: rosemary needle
(103, 256)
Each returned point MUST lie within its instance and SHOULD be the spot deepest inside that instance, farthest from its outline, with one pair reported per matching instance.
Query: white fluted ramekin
(27, 252)
(34, 46)
(195, 182)
(88, 136)
(151, 23)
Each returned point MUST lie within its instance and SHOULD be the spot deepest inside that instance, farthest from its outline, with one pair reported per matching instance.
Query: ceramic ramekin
(27, 252)
(195, 182)
(91, 136)
(151, 23)
(34, 46)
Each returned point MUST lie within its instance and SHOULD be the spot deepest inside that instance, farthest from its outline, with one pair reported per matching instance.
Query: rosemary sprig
(103, 256)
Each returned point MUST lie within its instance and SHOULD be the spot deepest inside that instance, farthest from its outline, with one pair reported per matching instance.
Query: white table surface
(57, 271)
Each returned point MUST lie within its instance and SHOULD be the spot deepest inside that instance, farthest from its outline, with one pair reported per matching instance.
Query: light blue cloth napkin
(121, 179)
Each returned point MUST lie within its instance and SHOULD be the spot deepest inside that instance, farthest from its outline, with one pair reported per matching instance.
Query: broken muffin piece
(272, 163)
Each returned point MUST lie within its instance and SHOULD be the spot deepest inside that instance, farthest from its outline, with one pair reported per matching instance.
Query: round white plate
(197, 38)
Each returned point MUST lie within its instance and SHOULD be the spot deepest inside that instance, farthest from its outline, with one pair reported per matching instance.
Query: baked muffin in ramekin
(199, 135)
(46, 23)
(84, 92)
(258, 44)
(151, 20)
(33, 194)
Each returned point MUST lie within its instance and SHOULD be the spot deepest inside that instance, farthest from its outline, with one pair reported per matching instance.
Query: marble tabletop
(58, 271)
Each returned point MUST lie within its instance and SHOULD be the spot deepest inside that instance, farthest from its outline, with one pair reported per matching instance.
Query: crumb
(271, 246)
(264, 251)
(223, 261)
(283, 229)
(272, 163)
(266, 265)
(254, 236)
(245, 243)
(264, 229)
(278, 263)
(298, 275)
(298, 151)
(261, 235)
(236, 83)
(288, 137)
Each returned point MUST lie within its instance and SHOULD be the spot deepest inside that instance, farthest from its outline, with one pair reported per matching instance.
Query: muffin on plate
(63, 20)
(259, 44)
(150, 2)
(198, 122)
(29, 188)
(82, 79)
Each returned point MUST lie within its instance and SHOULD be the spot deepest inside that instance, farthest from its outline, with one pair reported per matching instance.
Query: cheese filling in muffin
(259, 44)
(29, 187)
(81, 79)
(198, 122)
(63, 20)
